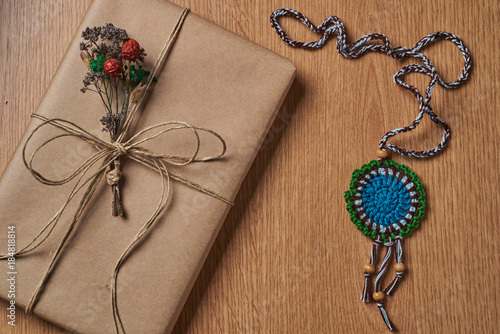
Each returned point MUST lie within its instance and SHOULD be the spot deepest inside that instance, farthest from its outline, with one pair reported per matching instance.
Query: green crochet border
(352, 191)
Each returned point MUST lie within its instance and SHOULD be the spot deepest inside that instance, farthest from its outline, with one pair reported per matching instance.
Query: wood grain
(288, 260)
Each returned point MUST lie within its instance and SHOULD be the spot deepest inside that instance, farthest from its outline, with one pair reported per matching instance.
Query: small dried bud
(113, 67)
(131, 50)
(136, 93)
(85, 55)
(111, 122)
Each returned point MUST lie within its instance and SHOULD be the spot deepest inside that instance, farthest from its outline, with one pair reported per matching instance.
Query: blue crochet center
(385, 199)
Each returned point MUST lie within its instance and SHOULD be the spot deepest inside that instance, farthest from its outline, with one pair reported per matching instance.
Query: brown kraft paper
(212, 79)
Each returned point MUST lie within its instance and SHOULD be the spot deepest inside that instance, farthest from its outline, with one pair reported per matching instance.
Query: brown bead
(399, 267)
(369, 268)
(378, 296)
(384, 154)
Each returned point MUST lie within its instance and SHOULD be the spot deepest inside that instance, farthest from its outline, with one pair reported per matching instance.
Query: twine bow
(108, 154)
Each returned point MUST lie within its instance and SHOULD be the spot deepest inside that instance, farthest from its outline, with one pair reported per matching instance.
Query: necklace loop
(332, 25)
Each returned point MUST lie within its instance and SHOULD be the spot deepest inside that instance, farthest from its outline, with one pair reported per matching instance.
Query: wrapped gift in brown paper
(211, 79)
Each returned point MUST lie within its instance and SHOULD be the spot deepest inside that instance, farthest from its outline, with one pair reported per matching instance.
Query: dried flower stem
(113, 61)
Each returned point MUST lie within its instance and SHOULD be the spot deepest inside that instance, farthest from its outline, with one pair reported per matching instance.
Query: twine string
(157, 67)
(378, 283)
(108, 154)
(366, 296)
(399, 274)
(333, 26)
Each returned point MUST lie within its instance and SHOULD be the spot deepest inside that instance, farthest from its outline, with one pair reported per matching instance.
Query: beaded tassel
(369, 269)
(399, 267)
(379, 295)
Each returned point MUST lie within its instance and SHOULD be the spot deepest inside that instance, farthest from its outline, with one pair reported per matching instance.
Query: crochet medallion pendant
(386, 201)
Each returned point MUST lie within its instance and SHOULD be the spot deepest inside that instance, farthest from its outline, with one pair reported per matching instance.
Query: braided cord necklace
(386, 200)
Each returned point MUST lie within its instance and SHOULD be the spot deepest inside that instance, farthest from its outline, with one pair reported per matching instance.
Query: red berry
(131, 50)
(113, 67)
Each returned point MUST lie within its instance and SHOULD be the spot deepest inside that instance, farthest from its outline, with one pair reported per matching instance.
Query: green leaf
(97, 65)
(138, 75)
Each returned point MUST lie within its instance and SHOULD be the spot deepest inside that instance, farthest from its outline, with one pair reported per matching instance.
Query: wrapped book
(212, 79)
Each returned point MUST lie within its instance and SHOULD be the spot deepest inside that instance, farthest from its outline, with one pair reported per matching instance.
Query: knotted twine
(107, 154)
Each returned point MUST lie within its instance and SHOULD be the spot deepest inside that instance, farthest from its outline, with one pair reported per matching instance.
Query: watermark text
(11, 274)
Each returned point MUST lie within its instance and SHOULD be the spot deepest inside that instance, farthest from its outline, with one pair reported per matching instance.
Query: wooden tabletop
(288, 259)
